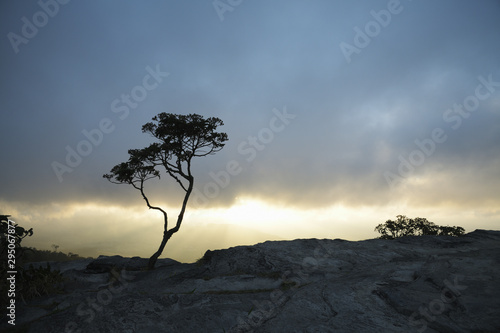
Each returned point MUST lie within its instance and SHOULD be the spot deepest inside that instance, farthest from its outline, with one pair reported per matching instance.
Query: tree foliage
(18, 233)
(31, 282)
(404, 226)
(179, 138)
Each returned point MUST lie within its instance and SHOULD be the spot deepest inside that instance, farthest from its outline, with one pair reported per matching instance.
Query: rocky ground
(412, 284)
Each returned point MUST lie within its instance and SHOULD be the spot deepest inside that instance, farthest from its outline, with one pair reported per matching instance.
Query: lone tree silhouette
(179, 139)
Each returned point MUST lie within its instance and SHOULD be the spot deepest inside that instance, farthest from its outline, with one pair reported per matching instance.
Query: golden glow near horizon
(93, 229)
(322, 142)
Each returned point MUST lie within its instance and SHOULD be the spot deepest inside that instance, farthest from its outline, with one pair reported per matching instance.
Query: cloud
(353, 120)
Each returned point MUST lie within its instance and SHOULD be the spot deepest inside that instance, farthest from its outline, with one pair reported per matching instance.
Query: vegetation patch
(244, 291)
(32, 282)
(404, 226)
(287, 285)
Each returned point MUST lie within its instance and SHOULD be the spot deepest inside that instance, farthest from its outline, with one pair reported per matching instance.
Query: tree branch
(141, 189)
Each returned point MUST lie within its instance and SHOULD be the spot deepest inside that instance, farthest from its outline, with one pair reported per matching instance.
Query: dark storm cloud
(352, 120)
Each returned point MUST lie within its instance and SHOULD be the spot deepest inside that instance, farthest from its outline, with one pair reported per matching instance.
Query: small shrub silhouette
(31, 282)
(404, 226)
(39, 281)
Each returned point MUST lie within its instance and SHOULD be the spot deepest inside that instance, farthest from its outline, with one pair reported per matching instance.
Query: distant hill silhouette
(32, 254)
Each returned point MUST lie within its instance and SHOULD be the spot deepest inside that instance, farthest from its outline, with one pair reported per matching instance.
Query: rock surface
(412, 284)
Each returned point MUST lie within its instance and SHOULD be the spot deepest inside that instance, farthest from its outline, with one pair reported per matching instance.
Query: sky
(340, 115)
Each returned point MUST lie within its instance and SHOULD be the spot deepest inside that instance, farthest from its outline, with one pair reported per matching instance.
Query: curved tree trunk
(168, 233)
(154, 257)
